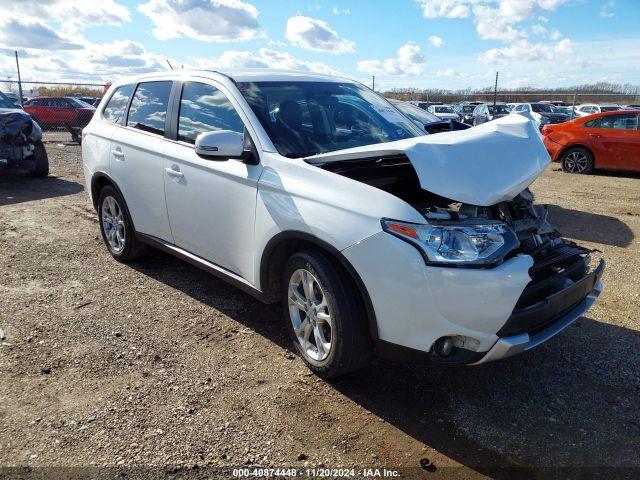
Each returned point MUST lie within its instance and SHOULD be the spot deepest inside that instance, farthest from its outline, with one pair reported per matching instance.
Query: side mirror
(220, 145)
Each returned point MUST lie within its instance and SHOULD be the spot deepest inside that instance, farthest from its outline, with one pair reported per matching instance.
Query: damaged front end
(471, 187)
(21, 142)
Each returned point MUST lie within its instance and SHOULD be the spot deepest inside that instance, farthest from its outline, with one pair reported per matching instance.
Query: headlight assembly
(461, 244)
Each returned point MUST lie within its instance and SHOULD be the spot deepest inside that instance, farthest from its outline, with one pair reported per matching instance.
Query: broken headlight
(468, 244)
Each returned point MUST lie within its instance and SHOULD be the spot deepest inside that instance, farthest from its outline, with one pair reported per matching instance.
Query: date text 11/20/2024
(314, 473)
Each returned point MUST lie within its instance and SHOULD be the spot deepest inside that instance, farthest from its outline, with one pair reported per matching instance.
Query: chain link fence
(61, 109)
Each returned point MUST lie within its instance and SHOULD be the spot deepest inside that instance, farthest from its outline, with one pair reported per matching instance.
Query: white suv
(316, 192)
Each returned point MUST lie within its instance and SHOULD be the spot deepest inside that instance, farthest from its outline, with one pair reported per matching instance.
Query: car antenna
(169, 63)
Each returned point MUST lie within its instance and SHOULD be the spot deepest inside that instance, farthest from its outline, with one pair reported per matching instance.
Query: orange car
(608, 140)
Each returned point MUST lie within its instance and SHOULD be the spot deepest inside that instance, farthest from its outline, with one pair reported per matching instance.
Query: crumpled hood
(482, 166)
(12, 120)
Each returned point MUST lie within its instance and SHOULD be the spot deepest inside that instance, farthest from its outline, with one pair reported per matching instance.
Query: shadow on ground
(18, 187)
(570, 403)
(590, 227)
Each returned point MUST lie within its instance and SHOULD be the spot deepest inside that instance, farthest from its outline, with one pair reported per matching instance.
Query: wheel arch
(281, 246)
(577, 145)
(99, 180)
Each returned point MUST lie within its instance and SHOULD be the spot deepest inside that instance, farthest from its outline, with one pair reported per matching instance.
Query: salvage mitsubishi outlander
(316, 192)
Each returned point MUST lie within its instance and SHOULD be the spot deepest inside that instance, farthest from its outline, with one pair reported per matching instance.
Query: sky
(450, 44)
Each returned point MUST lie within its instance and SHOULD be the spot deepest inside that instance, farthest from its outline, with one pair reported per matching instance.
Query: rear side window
(116, 106)
(620, 122)
(148, 110)
(204, 108)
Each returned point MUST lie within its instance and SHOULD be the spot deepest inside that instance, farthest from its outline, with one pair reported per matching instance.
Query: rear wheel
(116, 227)
(325, 321)
(577, 160)
(40, 160)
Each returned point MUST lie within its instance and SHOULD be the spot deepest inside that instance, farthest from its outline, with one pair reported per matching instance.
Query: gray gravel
(159, 364)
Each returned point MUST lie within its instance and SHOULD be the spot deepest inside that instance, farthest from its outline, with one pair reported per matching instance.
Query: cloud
(314, 34)
(604, 9)
(446, 72)
(205, 20)
(73, 14)
(18, 33)
(436, 41)
(409, 61)
(494, 19)
(340, 11)
(525, 51)
(445, 8)
(265, 58)
(542, 31)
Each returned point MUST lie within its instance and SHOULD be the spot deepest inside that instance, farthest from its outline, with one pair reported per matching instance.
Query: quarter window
(116, 106)
(204, 108)
(148, 110)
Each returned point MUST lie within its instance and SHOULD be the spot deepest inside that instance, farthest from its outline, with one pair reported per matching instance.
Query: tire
(577, 160)
(41, 160)
(334, 312)
(122, 243)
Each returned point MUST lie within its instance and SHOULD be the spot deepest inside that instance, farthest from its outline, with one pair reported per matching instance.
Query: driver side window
(204, 108)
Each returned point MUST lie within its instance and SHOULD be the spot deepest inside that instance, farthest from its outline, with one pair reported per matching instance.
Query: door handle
(117, 154)
(174, 172)
(595, 135)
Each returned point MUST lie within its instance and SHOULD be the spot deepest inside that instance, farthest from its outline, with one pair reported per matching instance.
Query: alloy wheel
(113, 224)
(576, 162)
(310, 315)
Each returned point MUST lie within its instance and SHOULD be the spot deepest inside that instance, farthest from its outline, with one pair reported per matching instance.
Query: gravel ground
(159, 364)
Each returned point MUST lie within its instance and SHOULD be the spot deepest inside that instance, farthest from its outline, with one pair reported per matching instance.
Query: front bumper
(553, 307)
(422, 304)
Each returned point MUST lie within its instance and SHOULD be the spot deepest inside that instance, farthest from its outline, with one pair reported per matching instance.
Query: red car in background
(68, 112)
(608, 140)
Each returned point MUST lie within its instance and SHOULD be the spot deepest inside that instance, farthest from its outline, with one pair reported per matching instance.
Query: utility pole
(495, 94)
(19, 79)
(373, 86)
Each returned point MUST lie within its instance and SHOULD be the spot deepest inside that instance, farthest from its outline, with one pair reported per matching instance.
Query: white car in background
(316, 192)
(445, 112)
(590, 108)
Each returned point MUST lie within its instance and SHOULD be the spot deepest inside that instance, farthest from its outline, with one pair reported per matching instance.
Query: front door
(211, 203)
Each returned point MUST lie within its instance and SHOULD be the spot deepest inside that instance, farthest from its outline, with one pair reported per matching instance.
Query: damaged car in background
(314, 191)
(21, 140)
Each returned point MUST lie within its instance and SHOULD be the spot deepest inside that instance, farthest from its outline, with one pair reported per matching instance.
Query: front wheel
(116, 226)
(325, 320)
(577, 160)
(40, 160)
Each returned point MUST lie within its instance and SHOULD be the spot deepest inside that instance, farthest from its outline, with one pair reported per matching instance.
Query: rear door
(96, 142)
(137, 158)
(211, 203)
(620, 139)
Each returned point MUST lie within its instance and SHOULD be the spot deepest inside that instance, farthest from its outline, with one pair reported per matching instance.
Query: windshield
(307, 118)
(444, 109)
(78, 103)
(541, 107)
(5, 102)
(609, 109)
(500, 109)
(416, 113)
(467, 108)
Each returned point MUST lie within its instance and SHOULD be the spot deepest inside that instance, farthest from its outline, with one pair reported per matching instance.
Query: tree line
(601, 92)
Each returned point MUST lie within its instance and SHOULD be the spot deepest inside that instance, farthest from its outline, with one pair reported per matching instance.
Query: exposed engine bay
(558, 263)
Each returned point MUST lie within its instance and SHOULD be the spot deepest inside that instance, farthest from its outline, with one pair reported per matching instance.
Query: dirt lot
(157, 363)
